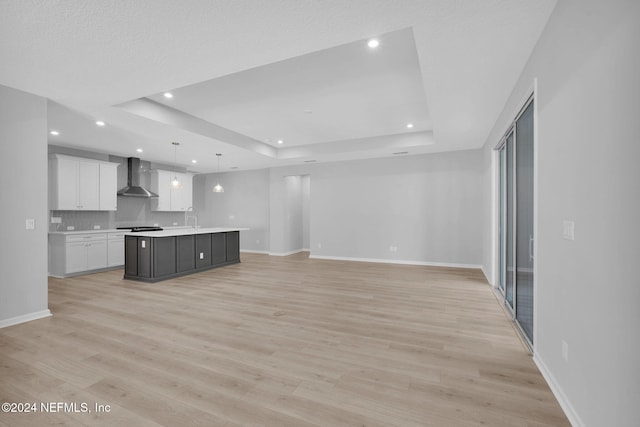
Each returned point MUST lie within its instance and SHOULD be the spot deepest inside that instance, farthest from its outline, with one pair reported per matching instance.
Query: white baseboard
(251, 251)
(566, 406)
(397, 261)
(486, 276)
(24, 318)
(287, 253)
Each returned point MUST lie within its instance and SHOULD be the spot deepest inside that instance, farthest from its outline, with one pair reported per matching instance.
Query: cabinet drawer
(117, 235)
(85, 237)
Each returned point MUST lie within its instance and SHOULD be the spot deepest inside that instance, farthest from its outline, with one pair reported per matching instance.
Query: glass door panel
(524, 221)
(509, 223)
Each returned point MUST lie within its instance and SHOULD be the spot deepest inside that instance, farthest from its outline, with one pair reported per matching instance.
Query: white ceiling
(244, 72)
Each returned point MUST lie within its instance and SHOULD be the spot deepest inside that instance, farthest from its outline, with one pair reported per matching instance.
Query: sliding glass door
(516, 220)
(524, 221)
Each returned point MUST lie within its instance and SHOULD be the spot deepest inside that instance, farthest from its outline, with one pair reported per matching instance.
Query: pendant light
(175, 182)
(218, 188)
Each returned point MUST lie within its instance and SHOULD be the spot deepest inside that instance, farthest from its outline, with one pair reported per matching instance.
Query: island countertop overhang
(185, 231)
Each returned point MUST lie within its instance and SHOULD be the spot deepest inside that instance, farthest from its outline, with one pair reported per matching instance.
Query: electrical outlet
(565, 351)
(96, 227)
(257, 242)
(56, 220)
(70, 228)
(156, 225)
(201, 255)
(175, 223)
(319, 245)
(232, 217)
(30, 224)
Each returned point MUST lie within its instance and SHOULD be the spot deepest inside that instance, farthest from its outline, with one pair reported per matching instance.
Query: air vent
(400, 152)
(310, 161)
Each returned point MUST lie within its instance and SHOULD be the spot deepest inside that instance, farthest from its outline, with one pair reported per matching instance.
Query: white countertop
(113, 230)
(184, 232)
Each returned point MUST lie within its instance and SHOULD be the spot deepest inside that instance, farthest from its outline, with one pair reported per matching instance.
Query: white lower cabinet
(75, 253)
(115, 249)
(76, 257)
(96, 255)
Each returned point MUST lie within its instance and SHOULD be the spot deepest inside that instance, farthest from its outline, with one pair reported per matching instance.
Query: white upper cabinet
(161, 185)
(63, 184)
(82, 184)
(186, 196)
(88, 185)
(108, 187)
(169, 198)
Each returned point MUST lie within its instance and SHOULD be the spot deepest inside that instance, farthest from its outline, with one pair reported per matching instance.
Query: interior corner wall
(23, 264)
(306, 212)
(587, 290)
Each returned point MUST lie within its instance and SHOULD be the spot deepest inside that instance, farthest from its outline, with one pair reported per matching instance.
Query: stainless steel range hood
(133, 188)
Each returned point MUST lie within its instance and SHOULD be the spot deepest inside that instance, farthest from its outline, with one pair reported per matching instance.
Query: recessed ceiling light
(100, 123)
(310, 161)
(373, 43)
(194, 161)
(54, 132)
(139, 150)
(409, 125)
(280, 141)
(168, 95)
(400, 152)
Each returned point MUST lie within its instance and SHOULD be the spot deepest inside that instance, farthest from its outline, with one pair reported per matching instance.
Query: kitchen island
(152, 256)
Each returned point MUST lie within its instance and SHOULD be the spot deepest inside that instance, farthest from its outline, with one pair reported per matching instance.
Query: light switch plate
(30, 224)
(201, 255)
(568, 230)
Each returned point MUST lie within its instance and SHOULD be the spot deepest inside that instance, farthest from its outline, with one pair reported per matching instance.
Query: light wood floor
(277, 342)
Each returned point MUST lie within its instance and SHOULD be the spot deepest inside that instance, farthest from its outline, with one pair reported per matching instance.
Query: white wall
(587, 65)
(23, 264)
(244, 203)
(427, 206)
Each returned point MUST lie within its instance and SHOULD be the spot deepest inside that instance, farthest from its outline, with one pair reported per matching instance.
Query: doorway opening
(297, 230)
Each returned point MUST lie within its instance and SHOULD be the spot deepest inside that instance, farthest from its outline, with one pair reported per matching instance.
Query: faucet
(187, 216)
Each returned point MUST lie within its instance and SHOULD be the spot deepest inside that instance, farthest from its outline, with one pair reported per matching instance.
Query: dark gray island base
(160, 255)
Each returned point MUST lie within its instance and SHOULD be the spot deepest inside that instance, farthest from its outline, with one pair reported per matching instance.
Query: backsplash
(131, 211)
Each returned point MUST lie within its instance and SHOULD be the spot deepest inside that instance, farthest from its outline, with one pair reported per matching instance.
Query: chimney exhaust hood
(133, 188)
